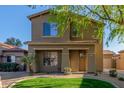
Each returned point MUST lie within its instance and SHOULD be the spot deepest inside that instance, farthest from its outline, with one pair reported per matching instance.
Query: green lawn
(63, 83)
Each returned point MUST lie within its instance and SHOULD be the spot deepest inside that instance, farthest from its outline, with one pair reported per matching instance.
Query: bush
(113, 73)
(7, 67)
(121, 78)
(67, 70)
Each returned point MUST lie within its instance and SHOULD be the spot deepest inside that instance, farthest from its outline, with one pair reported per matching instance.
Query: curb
(14, 83)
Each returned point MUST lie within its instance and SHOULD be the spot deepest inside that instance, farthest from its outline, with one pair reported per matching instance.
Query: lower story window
(10, 58)
(50, 59)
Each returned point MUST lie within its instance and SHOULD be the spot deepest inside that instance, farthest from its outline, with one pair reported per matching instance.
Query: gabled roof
(7, 47)
(116, 55)
(48, 11)
(38, 14)
(122, 51)
(108, 52)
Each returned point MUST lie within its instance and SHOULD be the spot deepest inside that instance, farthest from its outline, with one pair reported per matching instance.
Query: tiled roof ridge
(108, 52)
(7, 46)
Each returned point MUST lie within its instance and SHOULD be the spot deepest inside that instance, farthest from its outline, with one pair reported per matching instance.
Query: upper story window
(50, 29)
(74, 32)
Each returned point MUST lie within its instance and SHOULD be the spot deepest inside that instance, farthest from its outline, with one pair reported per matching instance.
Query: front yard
(63, 83)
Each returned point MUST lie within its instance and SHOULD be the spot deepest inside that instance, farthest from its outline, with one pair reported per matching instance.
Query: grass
(63, 83)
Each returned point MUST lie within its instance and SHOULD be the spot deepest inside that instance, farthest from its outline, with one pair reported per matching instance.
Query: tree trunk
(30, 70)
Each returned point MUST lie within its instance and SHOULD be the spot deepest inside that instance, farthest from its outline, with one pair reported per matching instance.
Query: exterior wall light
(81, 55)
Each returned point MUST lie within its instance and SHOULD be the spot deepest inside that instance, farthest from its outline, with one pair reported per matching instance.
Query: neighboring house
(11, 54)
(54, 53)
(120, 60)
(117, 61)
(108, 62)
(112, 60)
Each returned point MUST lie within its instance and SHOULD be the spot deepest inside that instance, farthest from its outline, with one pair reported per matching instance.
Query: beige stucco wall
(120, 62)
(37, 31)
(90, 53)
(99, 56)
(107, 61)
(18, 56)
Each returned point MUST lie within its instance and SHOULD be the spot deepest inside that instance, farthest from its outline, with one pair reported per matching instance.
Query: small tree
(13, 41)
(28, 60)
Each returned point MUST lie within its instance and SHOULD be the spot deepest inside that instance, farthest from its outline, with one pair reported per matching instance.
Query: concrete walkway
(103, 76)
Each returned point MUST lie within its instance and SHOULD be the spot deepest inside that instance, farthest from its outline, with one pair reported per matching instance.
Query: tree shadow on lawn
(94, 83)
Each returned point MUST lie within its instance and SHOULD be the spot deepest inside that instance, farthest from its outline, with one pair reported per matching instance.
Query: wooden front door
(77, 62)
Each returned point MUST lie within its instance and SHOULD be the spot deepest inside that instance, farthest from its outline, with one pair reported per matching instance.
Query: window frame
(11, 58)
(48, 56)
(55, 36)
(71, 29)
(8, 59)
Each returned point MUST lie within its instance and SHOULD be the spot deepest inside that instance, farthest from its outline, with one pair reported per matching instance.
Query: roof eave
(37, 14)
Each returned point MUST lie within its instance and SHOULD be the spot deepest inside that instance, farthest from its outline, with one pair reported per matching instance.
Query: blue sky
(14, 23)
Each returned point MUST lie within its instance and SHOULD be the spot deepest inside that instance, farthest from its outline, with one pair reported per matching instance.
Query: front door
(77, 60)
(74, 60)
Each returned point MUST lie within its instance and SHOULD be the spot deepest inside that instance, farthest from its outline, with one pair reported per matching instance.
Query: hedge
(7, 67)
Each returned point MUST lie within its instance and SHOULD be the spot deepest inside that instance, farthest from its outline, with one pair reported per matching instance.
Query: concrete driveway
(120, 72)
(12, 75)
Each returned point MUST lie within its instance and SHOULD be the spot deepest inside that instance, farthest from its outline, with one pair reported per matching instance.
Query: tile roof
(122, 51)
(7, 47)
(108, 52)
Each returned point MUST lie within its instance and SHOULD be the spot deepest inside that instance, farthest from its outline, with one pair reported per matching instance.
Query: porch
(56, 59)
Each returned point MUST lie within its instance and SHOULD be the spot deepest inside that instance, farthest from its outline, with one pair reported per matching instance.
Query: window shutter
(46, 29)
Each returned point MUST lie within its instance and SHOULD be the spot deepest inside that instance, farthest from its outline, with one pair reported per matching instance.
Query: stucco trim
(68, 43)
(50, 37)
(48, 48)
(78, 48)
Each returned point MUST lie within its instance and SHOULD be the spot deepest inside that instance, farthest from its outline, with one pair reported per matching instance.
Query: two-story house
(54, 53)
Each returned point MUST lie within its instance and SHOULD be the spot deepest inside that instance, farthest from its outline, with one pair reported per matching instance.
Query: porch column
(91, 65)
(65, 60)
(33, 64)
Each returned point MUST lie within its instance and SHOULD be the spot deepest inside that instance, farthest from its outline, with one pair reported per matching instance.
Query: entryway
(78, 60)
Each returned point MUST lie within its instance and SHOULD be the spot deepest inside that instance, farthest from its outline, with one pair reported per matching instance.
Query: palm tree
(28, 60)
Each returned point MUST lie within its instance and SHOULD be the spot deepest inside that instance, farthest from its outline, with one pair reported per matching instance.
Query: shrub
(67, 70)
(7, 67)
(121, 78)
(28, 60)
(113, 73)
